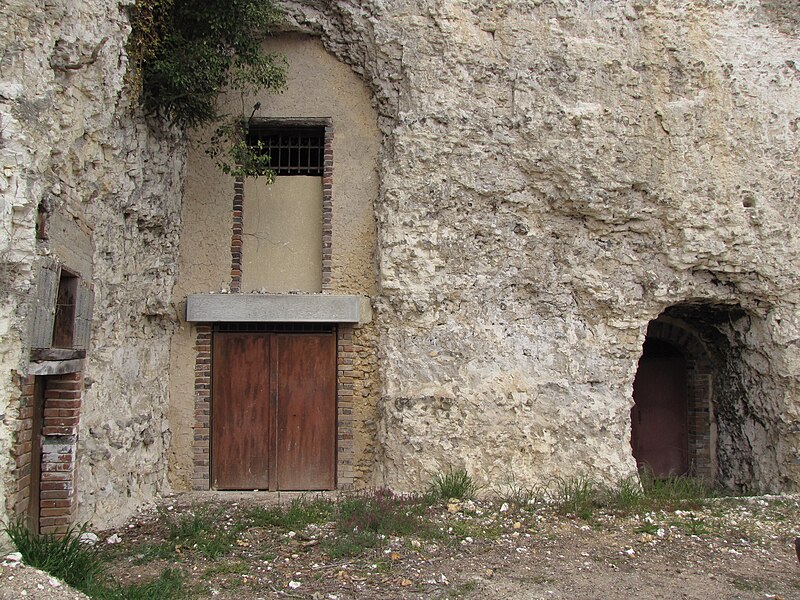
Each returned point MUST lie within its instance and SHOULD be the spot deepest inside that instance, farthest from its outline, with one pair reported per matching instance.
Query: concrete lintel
(285, 308)
(54, 367)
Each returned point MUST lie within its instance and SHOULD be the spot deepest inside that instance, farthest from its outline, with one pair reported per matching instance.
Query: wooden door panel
(240, 448)
(659, 417)
(306, 411)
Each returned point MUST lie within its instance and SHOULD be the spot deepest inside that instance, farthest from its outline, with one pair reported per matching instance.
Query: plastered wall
(320, 86)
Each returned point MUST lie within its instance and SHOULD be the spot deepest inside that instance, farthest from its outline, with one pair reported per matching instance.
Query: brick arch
(699, 393)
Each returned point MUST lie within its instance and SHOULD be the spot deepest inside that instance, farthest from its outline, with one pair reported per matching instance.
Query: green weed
(200, 530)
(83, 566)
(453, 484)
(675, 492)
(579, 496)
(168, 586)
(300, 513)
(80, 565)
(517, 495)
(364, 520)
(227, 568)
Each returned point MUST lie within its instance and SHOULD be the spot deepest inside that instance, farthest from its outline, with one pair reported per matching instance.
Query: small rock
(113, 539)
(504, 507)
(13, 560)
(89, 538)
(294, 584)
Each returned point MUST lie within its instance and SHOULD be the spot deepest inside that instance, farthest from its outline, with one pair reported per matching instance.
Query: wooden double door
(273, 420)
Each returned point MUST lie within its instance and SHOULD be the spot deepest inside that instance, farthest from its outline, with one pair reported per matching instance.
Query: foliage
(364, 520)
(453, 484)
(77, 564)
(300, 513)
(185, 53)
(200, 530)
(83, 566)
(168, 586)
(518, 495)
(235, 157)
(579, 496)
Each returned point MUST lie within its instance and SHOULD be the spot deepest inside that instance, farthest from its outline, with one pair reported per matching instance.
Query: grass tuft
(454, 484)
(579, 496)
(75, 563)
(83, 566)
(202, 530)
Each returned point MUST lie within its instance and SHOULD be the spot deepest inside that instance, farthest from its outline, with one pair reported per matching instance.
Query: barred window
(292, 150)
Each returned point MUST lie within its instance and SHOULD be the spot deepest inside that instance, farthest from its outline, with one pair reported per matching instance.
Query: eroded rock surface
(555, 175)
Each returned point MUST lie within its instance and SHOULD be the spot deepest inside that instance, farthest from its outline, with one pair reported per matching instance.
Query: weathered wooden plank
(44, 305)
(83, 317)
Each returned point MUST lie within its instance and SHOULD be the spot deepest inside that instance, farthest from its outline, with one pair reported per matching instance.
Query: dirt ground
(730, 548)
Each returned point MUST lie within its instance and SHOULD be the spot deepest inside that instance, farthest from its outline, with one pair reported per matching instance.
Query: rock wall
(72, 144)
(555, 174)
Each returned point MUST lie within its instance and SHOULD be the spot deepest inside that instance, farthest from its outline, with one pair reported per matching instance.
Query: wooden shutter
(44, 305)
(83, 316)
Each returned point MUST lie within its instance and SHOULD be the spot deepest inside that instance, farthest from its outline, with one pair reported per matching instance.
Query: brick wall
(202, 408)
(345, 355)
(17, 501)
(59, 438)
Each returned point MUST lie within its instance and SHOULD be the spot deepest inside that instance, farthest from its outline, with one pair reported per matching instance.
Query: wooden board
(240, 447)
(306, 411)
(659, 433)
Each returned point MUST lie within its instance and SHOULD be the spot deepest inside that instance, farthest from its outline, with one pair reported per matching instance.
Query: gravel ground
(729, 548)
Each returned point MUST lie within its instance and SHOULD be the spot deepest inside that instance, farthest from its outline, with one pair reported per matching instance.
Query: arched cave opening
(701, 407)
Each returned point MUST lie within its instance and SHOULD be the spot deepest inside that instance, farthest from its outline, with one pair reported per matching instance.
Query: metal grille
(292, 151)
(277, 327)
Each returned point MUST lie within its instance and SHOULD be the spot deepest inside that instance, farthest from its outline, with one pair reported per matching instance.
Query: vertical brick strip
(327, 209)
(345, 355)
(22, 431)
(236, 235)
(202, 407)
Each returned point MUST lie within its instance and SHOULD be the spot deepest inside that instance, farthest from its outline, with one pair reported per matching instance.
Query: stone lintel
(286, 308)
(54, 367)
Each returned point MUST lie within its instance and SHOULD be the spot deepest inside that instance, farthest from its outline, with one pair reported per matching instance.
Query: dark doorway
(659, 417)
(273, 416)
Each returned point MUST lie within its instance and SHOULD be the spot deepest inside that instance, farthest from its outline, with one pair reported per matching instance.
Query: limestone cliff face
(73, 144)
(556, 174)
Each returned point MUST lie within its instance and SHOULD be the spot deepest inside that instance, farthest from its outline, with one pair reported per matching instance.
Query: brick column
(17, 501)
(202, 408)
(344, 402)
(62, 409)
(236, 235)
(327, 209)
